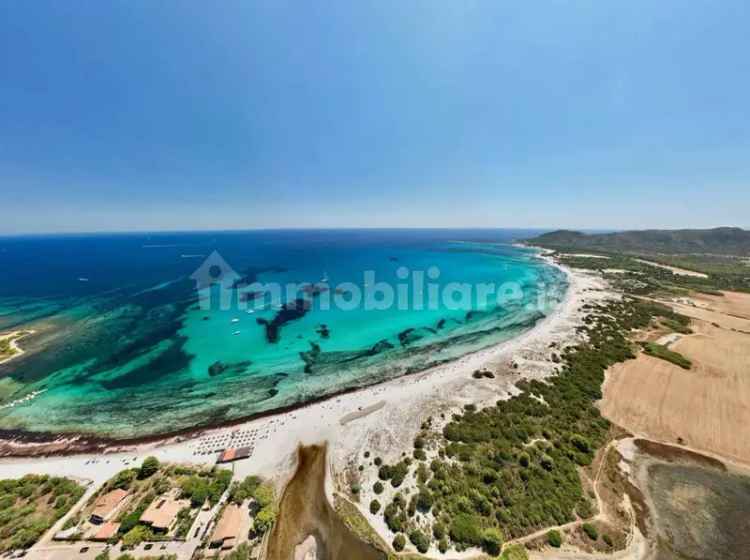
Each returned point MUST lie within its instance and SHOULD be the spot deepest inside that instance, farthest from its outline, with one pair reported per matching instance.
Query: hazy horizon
(349, 228)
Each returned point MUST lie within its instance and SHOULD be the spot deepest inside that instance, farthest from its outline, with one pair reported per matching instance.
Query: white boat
(235, 320)
(235, 333)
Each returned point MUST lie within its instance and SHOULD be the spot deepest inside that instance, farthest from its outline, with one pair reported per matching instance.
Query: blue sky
(145, 115)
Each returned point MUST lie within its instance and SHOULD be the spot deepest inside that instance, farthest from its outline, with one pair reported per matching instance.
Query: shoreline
(388, 433)
(30, 442)
(26, 443)
(389, 426)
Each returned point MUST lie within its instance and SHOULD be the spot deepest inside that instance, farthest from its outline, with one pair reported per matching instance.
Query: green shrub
(265, 519)
(136, 536)
(244, 490)
(264, 494)
(424, 501)
(591, 531)
(374, 507)
(123, 479)
(419, 540)
(524, 460)
(399, 542)
(149, 467)
(394, 518)
(241, 552)
(664, 353)
(554, 538)
(515, 552)
(464, 529)
(492, 541)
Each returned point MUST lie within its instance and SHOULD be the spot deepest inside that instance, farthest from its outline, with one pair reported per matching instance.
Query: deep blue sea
(140, 334)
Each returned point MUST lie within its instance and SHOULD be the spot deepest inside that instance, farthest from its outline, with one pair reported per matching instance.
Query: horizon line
(355, 228)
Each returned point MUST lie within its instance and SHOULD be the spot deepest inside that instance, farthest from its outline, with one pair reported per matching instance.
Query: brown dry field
(731, 311)
(708, 407)
(734, 303)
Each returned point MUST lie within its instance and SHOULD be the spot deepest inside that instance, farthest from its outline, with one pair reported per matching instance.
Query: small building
(162, 513)
(69, 534)
(228, 528)
(234, 454)
(106, 531)
(107, 504)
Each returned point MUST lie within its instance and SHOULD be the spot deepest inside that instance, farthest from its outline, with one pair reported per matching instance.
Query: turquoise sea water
(128, 345)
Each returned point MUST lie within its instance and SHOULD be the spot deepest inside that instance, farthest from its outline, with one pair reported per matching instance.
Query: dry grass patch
(705, 407)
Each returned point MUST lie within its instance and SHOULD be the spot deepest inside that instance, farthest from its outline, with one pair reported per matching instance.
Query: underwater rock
(408, 336)
(315, 357)
(310, 356)
(379, 347)
(289, 312)
(217, 368)
(323, 331)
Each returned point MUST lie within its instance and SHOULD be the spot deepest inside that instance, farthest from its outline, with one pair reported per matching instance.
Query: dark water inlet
(304, 511)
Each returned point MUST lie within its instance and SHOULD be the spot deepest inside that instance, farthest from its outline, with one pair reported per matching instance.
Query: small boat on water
(235, 320)
(82, 279)
(235, 333)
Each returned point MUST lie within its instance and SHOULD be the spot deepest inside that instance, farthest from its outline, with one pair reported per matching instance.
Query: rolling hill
(724, 241)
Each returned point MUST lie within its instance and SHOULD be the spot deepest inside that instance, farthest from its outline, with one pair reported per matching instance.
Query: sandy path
(674, 269)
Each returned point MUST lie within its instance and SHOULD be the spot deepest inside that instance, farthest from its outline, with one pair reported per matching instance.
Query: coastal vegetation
(264, 501)
(505, 471)
(662, 352)
(727, 241)
(711, 260)
(31, 505)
